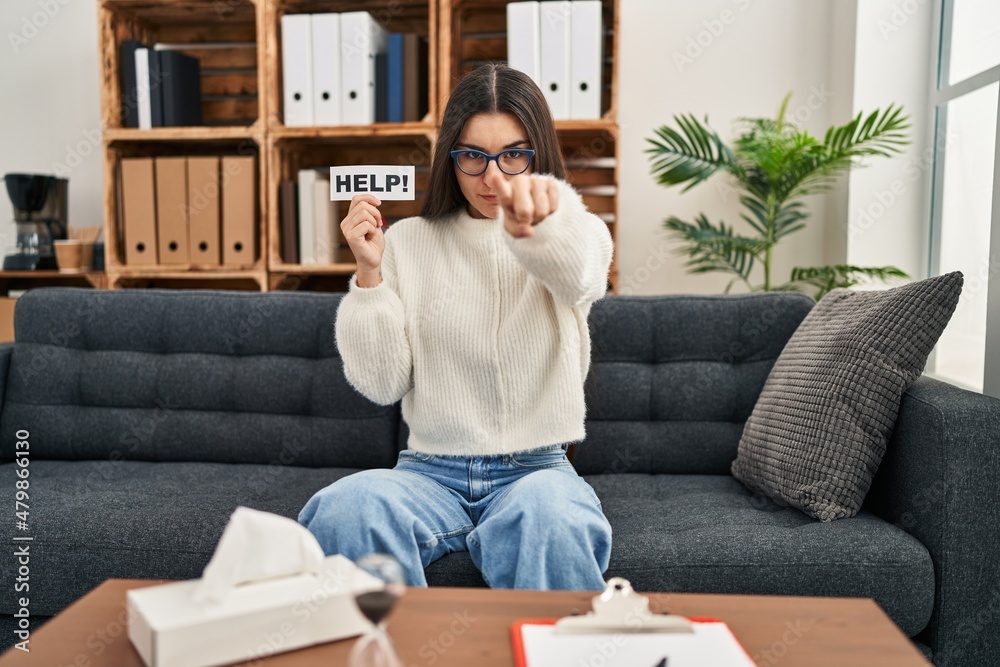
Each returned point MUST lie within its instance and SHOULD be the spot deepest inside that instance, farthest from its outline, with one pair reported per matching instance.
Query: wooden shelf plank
(598, 125)
(201, 133)
(183, 11)
(354, 131)
(194, 271)
(48, 274)
(331, 269)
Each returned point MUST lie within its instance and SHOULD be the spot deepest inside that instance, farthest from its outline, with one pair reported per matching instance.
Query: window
(975, 42)
(965, 228)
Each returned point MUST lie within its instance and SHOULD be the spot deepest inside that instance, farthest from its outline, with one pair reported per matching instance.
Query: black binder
(129, 94)
(381, 87)
(156, 83)
(181, 89)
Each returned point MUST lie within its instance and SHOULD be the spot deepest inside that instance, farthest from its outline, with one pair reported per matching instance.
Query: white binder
(324, 237)
(142, 94)
(326, 69)
(296, 69)
(307, 216)
(555, 22)
(361, 37)
(586, 59)
(523, 39)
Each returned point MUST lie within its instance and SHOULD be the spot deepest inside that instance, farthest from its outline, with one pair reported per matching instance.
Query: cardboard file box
(170, 629)
(204, 226)
(239, 210)
(138, 210)
(172, 210)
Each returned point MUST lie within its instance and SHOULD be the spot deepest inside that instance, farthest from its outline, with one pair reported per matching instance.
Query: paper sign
(387, 182)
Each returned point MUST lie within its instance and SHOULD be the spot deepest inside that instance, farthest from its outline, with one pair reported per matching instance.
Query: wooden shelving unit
(232, 109)
(242, 110)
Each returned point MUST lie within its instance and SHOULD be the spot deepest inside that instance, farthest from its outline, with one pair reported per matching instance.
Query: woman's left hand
(526, 199)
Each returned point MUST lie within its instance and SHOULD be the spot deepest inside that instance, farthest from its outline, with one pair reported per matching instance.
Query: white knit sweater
(483, 336)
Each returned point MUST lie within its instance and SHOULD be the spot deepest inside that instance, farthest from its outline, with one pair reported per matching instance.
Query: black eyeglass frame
(530, 152)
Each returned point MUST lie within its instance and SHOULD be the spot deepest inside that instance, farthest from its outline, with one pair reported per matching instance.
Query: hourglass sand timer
(375, 648)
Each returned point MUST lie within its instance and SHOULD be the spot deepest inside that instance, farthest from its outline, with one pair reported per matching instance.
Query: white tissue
(256, 546)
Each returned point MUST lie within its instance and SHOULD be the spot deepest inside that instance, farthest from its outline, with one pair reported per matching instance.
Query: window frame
(941, 93)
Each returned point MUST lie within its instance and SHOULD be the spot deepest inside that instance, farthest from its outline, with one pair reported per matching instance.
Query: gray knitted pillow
(820, 426)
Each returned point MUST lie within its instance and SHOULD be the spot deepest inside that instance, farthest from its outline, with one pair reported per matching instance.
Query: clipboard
(622, 631)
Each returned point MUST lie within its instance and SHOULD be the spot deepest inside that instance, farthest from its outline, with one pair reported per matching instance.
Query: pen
(662, 663)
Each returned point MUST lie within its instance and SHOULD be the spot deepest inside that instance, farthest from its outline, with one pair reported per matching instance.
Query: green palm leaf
(710, 248)
(827, 278)
(690, 155)
(880, 134)
(758, 214)
(788, 219)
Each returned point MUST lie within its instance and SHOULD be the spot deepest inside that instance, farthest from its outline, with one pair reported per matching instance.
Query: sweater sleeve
(371, 337)
(570, 252)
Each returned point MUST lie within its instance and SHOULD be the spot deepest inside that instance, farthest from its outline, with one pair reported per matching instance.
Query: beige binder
(7, 305)
(204, 203)
(239, 210)
(138, 211)
(171, 210)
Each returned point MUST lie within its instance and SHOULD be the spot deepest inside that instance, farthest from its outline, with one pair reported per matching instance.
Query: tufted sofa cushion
(666, 394)
(162, 375)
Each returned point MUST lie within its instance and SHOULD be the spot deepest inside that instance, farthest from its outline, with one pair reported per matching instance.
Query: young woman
(475, 315)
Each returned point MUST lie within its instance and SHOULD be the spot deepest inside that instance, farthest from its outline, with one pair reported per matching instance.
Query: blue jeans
(527, 519)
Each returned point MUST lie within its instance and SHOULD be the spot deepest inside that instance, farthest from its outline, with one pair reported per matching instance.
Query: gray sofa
(151, 415)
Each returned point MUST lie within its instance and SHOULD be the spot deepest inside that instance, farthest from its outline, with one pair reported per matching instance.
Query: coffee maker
(41, 215)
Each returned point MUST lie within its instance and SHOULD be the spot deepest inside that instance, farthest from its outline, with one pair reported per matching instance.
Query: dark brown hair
(490, 88)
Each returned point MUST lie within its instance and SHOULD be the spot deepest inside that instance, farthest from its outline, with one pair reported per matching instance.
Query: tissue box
(169, 629)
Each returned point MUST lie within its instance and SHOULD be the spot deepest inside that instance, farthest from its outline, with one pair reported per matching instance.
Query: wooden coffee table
(464, 626)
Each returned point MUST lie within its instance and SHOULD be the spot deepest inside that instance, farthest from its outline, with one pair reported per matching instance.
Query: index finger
(504, 192)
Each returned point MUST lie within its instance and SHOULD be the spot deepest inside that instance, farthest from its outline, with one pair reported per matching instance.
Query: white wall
(50, 106)
(890, 200)
(843, 21)
(731, 58)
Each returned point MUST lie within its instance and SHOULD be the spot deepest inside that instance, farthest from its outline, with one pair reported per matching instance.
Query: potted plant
(774, 164)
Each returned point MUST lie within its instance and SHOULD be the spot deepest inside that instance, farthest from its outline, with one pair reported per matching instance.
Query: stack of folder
(560, 45)
(344, 69)
(160, 87)
(188, 210)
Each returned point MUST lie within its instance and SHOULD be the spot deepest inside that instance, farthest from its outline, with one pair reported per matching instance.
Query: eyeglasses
(512, 162)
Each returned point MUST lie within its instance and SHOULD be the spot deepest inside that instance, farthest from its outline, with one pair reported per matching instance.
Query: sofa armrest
(940, 482)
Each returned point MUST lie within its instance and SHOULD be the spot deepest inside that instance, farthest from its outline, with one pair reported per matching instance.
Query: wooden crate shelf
(405, 16)
(222, 34)
(288, 154)
(139, 145)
